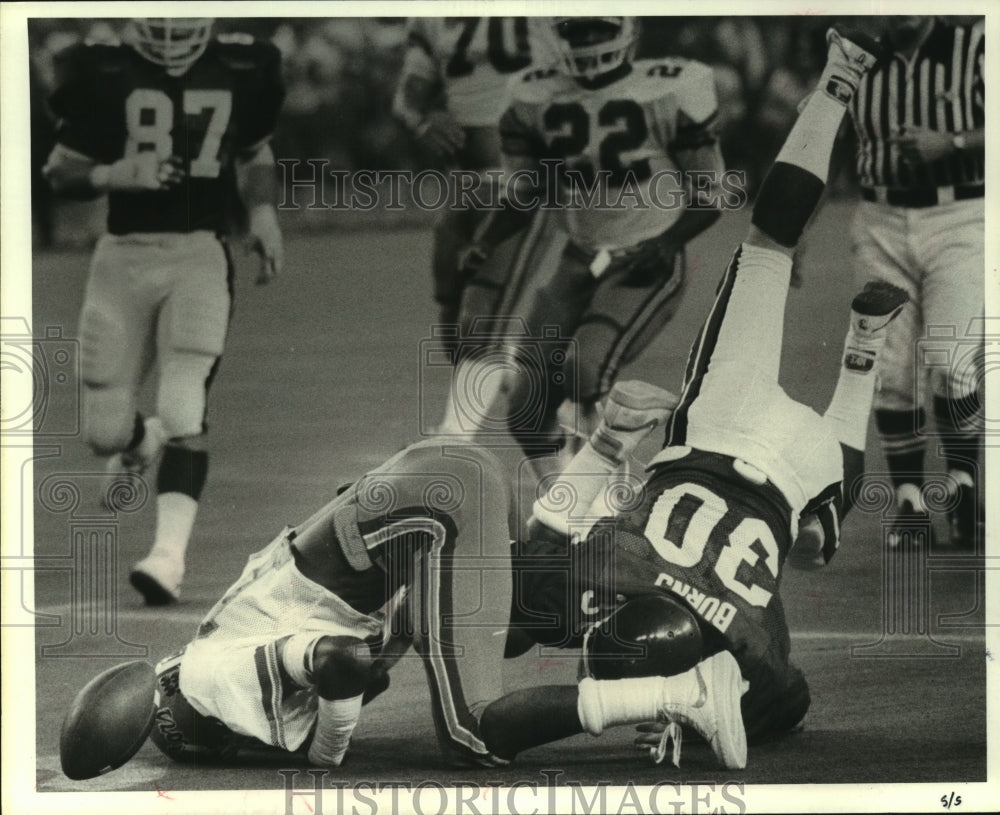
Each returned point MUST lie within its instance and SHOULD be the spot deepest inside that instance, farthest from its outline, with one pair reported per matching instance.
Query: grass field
(322, 380)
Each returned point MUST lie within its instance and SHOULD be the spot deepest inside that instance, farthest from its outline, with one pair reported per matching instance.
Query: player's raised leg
(745, 322)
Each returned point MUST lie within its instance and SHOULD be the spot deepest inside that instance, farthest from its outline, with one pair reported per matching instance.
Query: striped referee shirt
(940, 88)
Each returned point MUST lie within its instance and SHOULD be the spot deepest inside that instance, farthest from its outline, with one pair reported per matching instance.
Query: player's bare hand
(142, 172)
(440, 133)
(170, 172)
(918, 145)
(266, 241)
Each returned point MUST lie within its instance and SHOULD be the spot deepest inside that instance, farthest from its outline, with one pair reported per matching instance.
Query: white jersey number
(149, 122)
(685, 518)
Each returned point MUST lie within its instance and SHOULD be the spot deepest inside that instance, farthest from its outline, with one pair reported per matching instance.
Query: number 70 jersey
(113, 103)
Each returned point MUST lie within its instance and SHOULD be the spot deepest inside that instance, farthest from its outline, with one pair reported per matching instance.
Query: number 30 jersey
(616, 139)
(114, 103)
(716, 541)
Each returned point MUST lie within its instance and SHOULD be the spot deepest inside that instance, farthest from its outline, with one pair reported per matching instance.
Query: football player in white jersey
(690, 570)
(612, 143)
(451, 95)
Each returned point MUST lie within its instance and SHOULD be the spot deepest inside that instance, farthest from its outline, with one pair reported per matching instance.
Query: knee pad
(650, 635)
(103, 347)
(109, 419)
(340, 666)
(182, 393)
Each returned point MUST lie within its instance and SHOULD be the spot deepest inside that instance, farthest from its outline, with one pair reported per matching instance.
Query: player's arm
(87, 160)
(256, 175)
(76, 175)
(521, 189)
(258, 186)
(696, 151)
(418, 89)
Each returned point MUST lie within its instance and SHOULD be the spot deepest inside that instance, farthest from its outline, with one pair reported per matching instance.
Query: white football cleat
(706, 698)
(158, 578)
(632, 410)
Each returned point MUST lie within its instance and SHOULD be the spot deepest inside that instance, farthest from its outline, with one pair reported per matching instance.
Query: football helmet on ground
(649, 635)
(591, 46)
(173, 43)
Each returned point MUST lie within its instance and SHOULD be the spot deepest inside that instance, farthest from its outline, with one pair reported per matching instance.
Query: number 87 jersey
(113, 103)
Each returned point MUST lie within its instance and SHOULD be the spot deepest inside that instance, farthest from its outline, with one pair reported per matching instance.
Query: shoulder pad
(662, 68)
(76, 61)
(671, 75)
(235, 38)
(533, 85)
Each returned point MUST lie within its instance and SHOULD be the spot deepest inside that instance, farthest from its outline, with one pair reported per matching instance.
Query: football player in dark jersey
(174, 127)
(675, 601)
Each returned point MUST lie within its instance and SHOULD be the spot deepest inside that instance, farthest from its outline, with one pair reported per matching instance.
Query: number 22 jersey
(113, 103)
(616, 138)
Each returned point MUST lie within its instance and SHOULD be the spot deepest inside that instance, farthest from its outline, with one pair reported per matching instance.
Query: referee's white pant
(936, 254)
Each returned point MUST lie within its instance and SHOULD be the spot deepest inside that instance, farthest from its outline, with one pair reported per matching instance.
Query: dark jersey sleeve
(87, 78)
(260, 90)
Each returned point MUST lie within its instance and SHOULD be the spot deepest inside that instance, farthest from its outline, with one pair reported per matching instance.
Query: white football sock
(852, 400)
(175, 514)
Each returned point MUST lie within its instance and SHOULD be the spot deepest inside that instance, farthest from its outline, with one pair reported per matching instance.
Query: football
(108, 721)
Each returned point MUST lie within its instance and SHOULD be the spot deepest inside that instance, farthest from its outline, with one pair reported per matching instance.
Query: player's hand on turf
(650, 739)
(266, 241)
(918, 145)
(440, 133)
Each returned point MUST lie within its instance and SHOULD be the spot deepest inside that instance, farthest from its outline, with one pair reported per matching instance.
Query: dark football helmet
(173, 43)
(591, 46)
(649, 635)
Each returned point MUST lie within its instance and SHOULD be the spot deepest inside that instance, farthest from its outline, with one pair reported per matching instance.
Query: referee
(919, 119)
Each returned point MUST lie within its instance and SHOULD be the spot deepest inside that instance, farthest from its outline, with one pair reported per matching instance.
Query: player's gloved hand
(143, 172)
(266, 241)
(471, 259)
(440, 133)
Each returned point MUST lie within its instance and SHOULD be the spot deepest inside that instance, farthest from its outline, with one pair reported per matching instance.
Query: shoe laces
(672, 732)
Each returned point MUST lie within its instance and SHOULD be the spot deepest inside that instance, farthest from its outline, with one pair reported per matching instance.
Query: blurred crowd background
(340, 77)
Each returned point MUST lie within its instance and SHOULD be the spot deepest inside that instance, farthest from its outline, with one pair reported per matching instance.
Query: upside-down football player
(691, 570)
